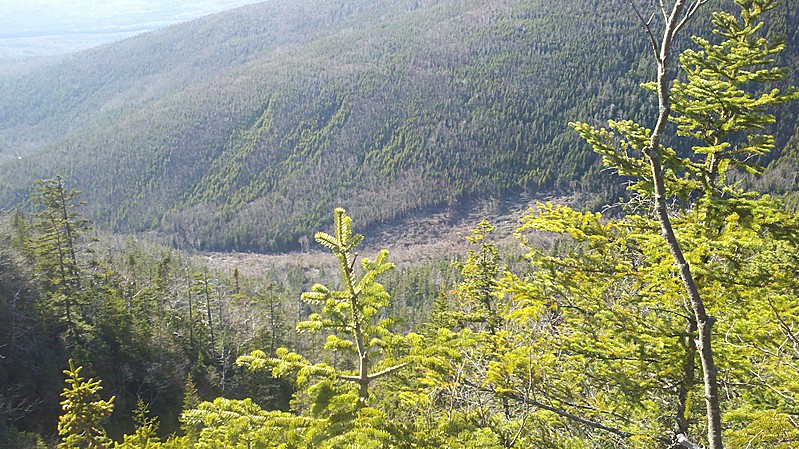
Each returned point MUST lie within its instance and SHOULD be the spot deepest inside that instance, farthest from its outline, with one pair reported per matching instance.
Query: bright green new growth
(340, 416)
(145, 436)
(674, 274)
(351, 313)
(479, 283)
(718, 104)
(80, 426)
(232, 423)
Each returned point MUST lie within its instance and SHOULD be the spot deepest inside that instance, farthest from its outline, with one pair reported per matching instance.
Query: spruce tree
(59, 229)
(341, 398)
(720, 109)
(81, 424)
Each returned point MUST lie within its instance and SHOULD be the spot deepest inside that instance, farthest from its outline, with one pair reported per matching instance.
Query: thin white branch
(355, 379)
(685, 442)
(691, 12)
(373, 376)
(646, 24)
(387, 371)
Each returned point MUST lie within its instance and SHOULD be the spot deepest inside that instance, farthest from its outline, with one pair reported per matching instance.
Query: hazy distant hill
(243, 130)
(33, 29)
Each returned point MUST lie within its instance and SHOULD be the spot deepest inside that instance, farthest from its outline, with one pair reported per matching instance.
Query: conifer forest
(624, 176)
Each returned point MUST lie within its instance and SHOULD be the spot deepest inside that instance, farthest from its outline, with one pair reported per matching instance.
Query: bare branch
(646, 24)
(572, 416)
(686, 443)
(373, 376)
(787, 397)
(557, 411)
(387, 371)
(783, 324)
(691, 12)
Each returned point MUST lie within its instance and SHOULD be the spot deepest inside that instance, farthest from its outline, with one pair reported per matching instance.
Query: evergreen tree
(59, 230)
(477, 292)
(80, 425)
(144, 436)
(720, 111)
(352, 311)
(352, 317)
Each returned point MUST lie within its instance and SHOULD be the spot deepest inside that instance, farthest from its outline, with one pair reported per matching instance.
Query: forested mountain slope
(242, 130)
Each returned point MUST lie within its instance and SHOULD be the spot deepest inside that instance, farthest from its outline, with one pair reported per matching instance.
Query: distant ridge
(242, 130)
(32, 31)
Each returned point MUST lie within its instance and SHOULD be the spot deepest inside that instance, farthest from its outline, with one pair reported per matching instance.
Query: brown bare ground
(423, 237)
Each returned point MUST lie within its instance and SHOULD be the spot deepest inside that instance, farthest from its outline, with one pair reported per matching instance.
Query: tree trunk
(704, 322)
(208, 314)
(363, 355)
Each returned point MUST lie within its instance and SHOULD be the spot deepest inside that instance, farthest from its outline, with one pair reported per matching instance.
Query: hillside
(242, 130)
